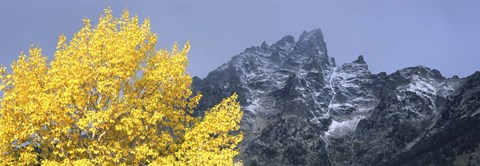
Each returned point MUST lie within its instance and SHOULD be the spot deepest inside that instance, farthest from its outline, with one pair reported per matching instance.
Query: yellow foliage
(109, 97)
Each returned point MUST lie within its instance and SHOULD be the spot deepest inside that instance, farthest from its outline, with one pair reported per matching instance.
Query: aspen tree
(109, 97)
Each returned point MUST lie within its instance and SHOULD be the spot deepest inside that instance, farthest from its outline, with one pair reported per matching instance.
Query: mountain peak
(264, 45)
(317, 33)
(315, 38)
(360, 60)
(284, 44)
(311, 45)
(288, 39)
(420, 70)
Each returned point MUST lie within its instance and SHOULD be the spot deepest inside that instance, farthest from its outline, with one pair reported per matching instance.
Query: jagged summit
(360, 60)
(264, 45)
(284, 45)
(316, 35)
(420, 70)
(308, 52)
(300, 108)
(311, 44)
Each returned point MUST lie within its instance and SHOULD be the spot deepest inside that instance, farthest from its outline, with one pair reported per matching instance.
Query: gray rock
(300, 108)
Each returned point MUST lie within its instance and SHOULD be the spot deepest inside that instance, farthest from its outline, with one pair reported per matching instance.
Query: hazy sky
(391, 34)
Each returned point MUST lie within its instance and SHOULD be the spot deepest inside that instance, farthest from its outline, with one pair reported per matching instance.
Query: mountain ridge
(300, 108)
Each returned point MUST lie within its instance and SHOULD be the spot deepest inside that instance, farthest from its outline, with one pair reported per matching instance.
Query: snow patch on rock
(338, 128)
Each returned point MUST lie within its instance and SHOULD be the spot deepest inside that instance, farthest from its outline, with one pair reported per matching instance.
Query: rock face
(300, 108)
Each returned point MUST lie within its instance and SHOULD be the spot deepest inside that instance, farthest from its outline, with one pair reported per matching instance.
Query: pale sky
(391, 34)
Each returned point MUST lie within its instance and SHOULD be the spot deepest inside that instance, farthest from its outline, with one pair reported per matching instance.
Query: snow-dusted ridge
(300, 108)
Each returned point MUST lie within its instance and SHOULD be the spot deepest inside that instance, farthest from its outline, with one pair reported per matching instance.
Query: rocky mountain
(301, 108)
